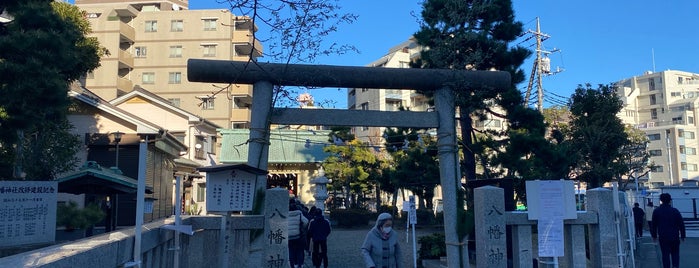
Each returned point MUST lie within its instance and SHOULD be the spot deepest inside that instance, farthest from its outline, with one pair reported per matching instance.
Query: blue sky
(600, 41)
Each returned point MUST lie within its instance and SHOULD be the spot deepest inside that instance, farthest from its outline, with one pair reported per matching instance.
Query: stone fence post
(491, 240)
(602, 236)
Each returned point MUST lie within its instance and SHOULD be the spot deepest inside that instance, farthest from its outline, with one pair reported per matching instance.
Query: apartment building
(398, 56)
(664, 106)
(149, 43)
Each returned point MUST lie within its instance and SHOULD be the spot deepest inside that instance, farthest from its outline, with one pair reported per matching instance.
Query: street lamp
(117, 139)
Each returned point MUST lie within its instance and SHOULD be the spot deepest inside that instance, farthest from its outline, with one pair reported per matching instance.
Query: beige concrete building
(149, 43)
(664, 106)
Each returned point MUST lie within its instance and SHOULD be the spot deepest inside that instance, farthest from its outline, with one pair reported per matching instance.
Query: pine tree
(44, 50)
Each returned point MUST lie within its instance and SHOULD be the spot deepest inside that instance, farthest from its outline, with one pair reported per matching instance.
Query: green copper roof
(286, 146)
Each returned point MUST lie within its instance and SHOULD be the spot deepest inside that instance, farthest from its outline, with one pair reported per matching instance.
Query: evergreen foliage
(44, 50)
(597, 134)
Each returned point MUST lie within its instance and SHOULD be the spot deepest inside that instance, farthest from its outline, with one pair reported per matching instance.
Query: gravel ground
(344, 244)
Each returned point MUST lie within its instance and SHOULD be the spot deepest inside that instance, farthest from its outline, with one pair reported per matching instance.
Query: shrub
(350, 217)
(432, 246)
(72, 217)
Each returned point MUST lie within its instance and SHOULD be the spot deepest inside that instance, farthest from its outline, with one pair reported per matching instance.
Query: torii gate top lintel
(244, 72)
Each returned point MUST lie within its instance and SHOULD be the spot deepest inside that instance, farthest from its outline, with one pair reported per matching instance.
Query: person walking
(319, 229)
(649, 213)
(668, 230)
(638, 217)
(381, 248)
(298, 224)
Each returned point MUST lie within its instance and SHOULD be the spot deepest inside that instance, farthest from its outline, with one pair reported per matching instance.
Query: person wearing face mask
(381, 248)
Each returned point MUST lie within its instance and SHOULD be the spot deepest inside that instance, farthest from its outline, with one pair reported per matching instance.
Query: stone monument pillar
(491, 243)
(276, 250)
(321, 190)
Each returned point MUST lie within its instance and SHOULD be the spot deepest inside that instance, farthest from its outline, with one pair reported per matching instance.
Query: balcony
(244, 43)
(127, 31)
(124, 84)
(241, 91)
(125, 59)
(240, 115)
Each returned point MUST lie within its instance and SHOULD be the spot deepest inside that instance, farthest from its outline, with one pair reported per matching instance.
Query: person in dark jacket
(319, 229)
(638, 215)
(668, 230)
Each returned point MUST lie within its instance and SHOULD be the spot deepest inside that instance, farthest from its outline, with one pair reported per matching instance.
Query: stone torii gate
(263, 77)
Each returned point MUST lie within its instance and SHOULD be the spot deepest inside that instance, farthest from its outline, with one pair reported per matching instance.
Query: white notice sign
(230, 190)
(27, 212)
(550, 237)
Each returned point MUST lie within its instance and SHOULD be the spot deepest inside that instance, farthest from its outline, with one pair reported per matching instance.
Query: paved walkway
(648, 252)
(344, 244)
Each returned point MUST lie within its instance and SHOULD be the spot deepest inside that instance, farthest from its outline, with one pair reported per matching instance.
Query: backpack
(296, 233)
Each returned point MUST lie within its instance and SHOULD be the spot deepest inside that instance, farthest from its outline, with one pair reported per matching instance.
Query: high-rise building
(149, 42)
(664, 106)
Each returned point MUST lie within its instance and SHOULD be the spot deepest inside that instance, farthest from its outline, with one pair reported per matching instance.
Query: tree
(635, 156)
(352, 165)
(597, 134)
(44, 50)
(295, 32)
(473, 35)
(415, 168)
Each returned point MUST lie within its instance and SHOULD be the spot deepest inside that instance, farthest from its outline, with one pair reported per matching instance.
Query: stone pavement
(344, 244)
(648, 252)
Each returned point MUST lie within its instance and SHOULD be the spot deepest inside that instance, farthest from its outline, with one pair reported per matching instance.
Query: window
(175, 78)
(689, 135)
(365, 106)
(651, 84)
(680, 80)
(365, 89)
(151, 26)
(655, 152)
(201, 192)
(656, 169)
(393, 106)
(653, 113)
(175, 51)
(207, 103)
(690, 151)
(677, 120)
(690, 120)
(675, 94)
(653, 100)
(140, 52)
(209, 50)
(654, 137)
(176, 26)
(212, 145)
(210, 24)
(148, 78)
(175, 102)
(682, 149)
(691, 167)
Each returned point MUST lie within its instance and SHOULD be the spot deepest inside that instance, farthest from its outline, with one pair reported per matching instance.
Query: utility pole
(540, 67)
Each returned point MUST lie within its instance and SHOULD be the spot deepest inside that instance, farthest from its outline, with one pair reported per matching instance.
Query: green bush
(351, 217)
(432, 246)
(387, 209)
(71, 217)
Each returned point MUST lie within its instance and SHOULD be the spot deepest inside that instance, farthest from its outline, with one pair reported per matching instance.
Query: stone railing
(115, 249)
(591, 240)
